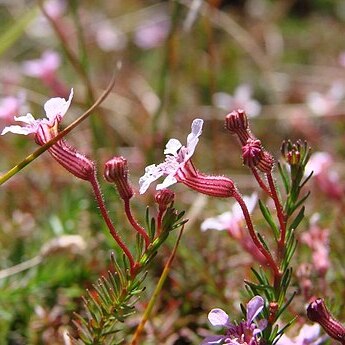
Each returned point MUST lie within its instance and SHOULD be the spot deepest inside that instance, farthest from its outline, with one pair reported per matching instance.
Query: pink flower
(317, 240)
(308, 335)
(325, 104)
(152, 34)
(325, 178)
(46, 129)
(55, 110)
(176, 158)
(233, 222)
(178, 167)
(109, 37)
(9, 106)
(242, 99)
(246, 332)
(43, 68)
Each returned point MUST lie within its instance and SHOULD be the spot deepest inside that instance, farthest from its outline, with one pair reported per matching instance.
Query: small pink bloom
(55, 110)
(43, 68)
(308, 335)
(9, 106)
(242, 99)
(317, 240)
(233, 222)
(152, 34)
(46, 129)
(326, 178)
(109, 37)
(177, 156)
(178, 167)
(246, 332)
(324, 104)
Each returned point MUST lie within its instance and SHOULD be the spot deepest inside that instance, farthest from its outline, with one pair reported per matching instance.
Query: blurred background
(281, 61)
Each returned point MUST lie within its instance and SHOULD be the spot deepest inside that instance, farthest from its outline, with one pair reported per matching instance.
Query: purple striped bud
(236, 122)
(116, 171)
(318, 312)
(254, 156)
(164, 198)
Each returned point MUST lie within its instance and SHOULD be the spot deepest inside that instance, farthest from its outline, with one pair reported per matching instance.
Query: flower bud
(116, 171)
(254, 156)
(164, 198)
(318, 312)
(291, 152)
(236, 122)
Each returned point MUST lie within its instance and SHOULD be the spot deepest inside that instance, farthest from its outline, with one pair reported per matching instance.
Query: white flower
(324, 104)
(319, 162)
(55, 109)
(308, 335)
(230, 219)
(242, 99)
(177, 156)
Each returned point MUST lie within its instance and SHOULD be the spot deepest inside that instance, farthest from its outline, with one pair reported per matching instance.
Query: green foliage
(113, 297)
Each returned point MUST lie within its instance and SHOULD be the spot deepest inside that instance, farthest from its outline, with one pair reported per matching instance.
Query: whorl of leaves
(113, 297)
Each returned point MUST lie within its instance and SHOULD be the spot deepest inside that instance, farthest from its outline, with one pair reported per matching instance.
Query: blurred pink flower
(109, 37)
(45, 69)
(242, 99)
(324, 104)
(308, 335)
(233, 222)
(152, 34)
(325, 178)
(317, 240)
(9, 106)
(55, 8)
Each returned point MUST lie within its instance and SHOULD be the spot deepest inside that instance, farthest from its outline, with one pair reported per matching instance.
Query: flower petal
(218, 317)
(152, 173)
(172, 146)
(254, 307)
(168, 181)
(57, 107)
(308, 334)
(28, 118)
(193, 137)
(213, 339)
(18, 130)
(219, 223)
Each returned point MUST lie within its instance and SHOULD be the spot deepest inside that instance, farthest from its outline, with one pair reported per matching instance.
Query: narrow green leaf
(267, 215)
(284, 177)
(298, 219)
(14, 31)
(263, 241)
(299, 203)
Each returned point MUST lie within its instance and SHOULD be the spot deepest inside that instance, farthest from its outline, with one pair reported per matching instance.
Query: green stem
(162, 279)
